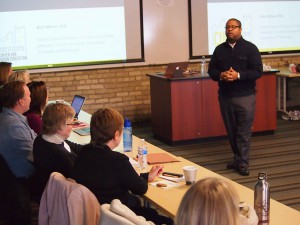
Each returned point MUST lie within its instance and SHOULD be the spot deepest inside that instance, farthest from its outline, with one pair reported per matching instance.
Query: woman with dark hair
(39, 99)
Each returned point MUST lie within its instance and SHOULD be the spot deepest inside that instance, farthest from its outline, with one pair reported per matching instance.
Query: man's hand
(229, 75)
(155, 171)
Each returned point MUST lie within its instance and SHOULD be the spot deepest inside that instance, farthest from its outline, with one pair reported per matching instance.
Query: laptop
(176, 68)
(77, 104)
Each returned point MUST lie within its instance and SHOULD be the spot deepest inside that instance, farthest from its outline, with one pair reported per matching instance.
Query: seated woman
(21, 75)
(5, 72)
(212, 201)
(109, 174)
(52, 152)
(39, 99)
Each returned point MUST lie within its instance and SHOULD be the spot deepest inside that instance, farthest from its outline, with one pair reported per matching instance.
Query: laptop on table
(176, 69)
(77, 104)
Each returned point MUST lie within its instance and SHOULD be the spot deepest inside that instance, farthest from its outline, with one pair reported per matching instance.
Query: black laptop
(77, 104)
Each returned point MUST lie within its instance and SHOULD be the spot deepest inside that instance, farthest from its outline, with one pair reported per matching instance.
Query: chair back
(65, 202)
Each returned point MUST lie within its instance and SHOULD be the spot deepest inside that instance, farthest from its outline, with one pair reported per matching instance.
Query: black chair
(15, 205)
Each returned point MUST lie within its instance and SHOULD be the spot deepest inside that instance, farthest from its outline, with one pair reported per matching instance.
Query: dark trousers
(238, 115)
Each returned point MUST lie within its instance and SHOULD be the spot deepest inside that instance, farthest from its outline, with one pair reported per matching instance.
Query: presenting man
(236, 64)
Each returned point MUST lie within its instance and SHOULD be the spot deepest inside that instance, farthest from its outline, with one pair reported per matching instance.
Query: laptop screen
(77, 104)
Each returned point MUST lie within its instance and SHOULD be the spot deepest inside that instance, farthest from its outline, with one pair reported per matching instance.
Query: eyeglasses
(232, 27)
(73, 123)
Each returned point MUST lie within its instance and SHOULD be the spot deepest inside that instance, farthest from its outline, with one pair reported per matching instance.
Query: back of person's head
(39, 96)
(210, 201)
(104, 124)
(5, 71)
(21, 75)
(11, 93)
(55, 117)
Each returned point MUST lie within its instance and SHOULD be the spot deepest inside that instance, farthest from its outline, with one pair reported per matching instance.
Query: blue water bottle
(127, 136)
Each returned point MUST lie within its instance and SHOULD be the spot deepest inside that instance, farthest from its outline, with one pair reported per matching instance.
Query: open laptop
(176, 68)
(77, 104)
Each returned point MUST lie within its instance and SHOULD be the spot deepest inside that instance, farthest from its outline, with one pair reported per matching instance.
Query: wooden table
(168, 200)
(281, 91)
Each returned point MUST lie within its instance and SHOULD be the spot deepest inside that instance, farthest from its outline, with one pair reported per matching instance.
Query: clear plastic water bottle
(127, 136)
(142, 154)
(262, 199)
(203, 66)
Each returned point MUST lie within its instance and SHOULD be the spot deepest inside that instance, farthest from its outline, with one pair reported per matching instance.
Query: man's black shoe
(231, 166)
(243, 171)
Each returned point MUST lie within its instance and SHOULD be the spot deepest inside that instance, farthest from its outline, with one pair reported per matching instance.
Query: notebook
(77, 104)
(172, 68)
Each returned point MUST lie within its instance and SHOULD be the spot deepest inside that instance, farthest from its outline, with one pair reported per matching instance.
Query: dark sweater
(49, 157)
(108, 174)
(243, 58)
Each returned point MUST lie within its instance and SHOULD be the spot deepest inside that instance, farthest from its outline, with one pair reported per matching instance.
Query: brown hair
(104, 124)
(55, 117)
(210, 201)
(5, 68)
(38, 94)
(11, 93)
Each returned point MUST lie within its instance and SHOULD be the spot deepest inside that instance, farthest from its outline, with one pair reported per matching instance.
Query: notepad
(156, 158)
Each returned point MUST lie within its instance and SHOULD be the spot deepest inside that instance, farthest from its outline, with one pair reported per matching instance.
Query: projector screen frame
(137, 57)
(193, 56)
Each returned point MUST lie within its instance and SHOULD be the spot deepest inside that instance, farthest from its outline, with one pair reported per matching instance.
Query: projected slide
(270, 25)
(62, 36)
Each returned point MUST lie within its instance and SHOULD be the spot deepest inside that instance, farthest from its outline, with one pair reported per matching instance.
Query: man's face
(233, 31)
(25, 101)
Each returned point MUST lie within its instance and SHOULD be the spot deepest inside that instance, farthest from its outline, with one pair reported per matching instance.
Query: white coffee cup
(190, 173)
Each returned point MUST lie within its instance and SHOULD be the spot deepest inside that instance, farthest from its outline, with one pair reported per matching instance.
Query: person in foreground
(235, 65)
(108, 174)
(16, 141)
(39, 99)
(213, 201)
(52, 152)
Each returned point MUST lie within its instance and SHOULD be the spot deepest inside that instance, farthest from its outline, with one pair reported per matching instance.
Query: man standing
(236, 64)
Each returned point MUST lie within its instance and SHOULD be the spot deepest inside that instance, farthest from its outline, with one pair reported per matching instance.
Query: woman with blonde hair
(52, 152)
(210, 201)
(21, 75)
(214, 201)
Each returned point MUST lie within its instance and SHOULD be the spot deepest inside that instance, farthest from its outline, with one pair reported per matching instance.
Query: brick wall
(126, 89)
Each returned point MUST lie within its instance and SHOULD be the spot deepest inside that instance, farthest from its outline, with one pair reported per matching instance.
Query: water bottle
(203, 66)
(127, 136)
(262, 199)
(142, 154)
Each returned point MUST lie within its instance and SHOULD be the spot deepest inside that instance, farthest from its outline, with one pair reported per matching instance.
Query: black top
(108, 174)
(243, 58)
(49, 157)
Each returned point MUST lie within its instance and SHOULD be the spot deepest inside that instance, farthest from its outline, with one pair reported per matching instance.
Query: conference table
(167, 200)
(282, 90)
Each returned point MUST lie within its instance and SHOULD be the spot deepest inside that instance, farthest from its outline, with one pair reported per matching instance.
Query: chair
(118, 214)
(65, 202)
(15, 206)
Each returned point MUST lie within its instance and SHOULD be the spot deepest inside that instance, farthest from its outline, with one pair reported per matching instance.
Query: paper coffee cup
(190, 173)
